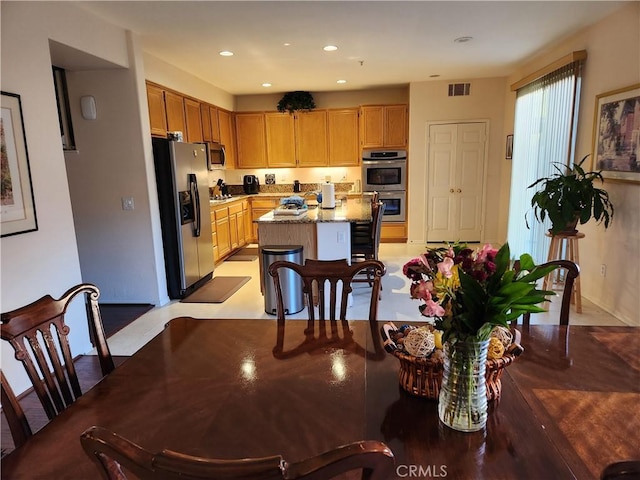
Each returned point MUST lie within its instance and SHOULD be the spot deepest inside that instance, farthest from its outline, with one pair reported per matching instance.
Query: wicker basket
(423, 376)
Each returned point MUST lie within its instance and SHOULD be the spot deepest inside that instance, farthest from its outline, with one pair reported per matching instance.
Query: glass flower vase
(462, 403)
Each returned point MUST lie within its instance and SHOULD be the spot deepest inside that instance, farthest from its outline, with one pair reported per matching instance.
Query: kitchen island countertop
(348, 210)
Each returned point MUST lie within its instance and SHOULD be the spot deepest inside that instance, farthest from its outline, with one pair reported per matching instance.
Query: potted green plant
(569, 197)
(297, 100)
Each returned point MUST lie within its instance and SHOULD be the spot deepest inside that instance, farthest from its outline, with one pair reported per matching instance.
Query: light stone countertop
(349, 210)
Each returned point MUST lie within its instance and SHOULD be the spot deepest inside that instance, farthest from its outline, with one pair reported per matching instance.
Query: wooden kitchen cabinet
(251, 140)
(157, 111)
(215, 124)
(393, 232)
(193, 120)
(214, 236)
(221, 214)
(227, 136)
(383, 126)
(236, 225)
(230, 223)
(205, 115)
(248, 221)
(312, 146)
(176, 121)
(210, 125)
(260, 206)
(344, 147)
(280, 139)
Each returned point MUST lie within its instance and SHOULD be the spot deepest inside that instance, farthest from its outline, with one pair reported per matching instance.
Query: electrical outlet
(603, 270)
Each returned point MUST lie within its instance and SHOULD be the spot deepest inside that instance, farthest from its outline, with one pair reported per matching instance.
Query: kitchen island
(325, 234)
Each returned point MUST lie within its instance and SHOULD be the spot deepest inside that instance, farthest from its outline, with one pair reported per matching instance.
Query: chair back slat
(39, 336)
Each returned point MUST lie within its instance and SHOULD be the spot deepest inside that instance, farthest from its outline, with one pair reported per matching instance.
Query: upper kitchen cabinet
(251, 140)
(344, 149)
(312, 138)
(280, 138)
(210, 124)
(227, 136)
(193, 120)
(215, 124)
(383, 126)
(176, 121)
(157, 111)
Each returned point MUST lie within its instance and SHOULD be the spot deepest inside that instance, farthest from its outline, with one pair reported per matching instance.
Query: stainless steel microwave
(216, 156)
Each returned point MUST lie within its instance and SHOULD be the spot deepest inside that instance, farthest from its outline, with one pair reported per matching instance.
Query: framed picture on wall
(616, 134)
(18, 212)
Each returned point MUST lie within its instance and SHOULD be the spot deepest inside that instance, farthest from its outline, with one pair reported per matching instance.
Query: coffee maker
(251, 184)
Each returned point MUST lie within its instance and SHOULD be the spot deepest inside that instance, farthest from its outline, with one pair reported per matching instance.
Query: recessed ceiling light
(266, 84)
(287, 44)
(330, 48)
(462, 39)
(226, 53)
(341, 81)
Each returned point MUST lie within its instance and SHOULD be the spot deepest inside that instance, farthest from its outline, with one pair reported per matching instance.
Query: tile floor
(248, 302)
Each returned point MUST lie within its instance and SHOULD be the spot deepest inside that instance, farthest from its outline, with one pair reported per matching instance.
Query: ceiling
(380, 43)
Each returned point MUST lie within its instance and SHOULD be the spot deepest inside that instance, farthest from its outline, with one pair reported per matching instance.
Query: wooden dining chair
(13, 412)
(572, 272)
(47, 358)
(114, 455)
(316, 274)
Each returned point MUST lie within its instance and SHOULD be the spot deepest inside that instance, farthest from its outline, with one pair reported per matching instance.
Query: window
(64, 113)
(544, 133)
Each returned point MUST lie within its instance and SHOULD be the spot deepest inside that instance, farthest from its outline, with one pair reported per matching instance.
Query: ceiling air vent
(458, 89)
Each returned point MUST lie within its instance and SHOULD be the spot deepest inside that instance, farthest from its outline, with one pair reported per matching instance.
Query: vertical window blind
(544, 133)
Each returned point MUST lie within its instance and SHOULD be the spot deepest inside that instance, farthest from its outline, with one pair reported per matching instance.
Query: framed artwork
(17, 212)
(616, 134)
(509, 149)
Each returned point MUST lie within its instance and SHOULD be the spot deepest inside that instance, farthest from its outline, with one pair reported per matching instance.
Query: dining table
(214, 388)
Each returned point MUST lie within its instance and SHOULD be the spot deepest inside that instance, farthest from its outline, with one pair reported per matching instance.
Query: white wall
(114, 245)
(613, 49)
(45, 261)
(429, 102)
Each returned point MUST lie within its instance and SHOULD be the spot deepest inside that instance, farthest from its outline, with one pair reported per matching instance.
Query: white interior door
(455, 178)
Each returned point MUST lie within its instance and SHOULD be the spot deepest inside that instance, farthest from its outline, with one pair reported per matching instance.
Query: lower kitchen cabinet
(260, 206)
(394, 232)
(229, 227)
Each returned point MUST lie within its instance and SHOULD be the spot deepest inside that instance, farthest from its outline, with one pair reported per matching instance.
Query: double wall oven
(385, 172)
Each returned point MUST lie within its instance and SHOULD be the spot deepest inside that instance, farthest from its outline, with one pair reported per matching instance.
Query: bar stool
(567, 244)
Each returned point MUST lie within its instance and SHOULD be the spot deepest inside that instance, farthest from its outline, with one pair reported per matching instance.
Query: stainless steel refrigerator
(183, 192)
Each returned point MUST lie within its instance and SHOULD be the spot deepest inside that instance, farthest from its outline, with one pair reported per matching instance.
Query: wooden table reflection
(213, 388)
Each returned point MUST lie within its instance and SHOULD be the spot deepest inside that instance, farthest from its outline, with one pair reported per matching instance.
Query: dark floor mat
(216, 290)
(247, 254)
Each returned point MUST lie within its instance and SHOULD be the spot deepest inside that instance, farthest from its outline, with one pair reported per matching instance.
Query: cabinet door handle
(459, 191)
(451, 191)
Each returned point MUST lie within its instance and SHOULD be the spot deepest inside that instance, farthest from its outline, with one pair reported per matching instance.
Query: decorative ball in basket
(419, 350)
